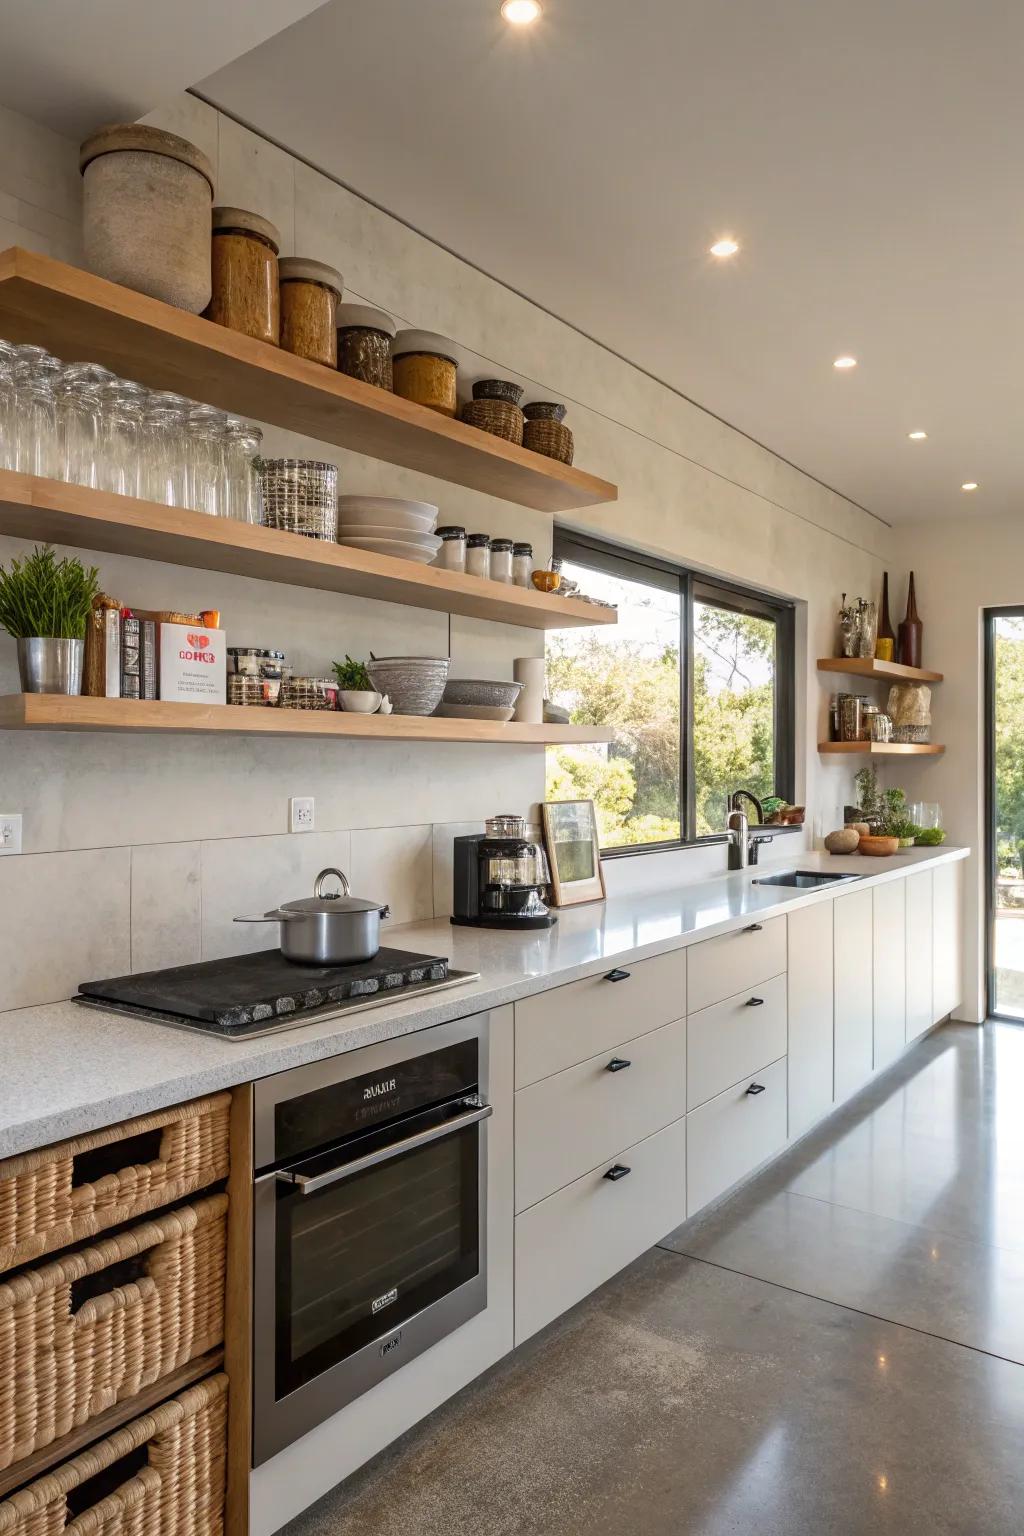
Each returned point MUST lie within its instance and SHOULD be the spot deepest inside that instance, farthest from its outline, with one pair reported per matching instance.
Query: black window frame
(694, 586)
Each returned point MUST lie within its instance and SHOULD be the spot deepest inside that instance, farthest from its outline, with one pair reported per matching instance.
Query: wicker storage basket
(178, 1492)
(551, 438)
(97, 1325)
(499, 417)
(62, 1194)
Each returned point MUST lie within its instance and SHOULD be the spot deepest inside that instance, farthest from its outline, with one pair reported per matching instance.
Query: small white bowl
(387, 512)
(358, 701)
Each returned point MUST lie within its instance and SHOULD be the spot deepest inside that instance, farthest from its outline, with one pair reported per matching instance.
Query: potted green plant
(355, 691)
(868, 796)
(45, 605)
(895, 821)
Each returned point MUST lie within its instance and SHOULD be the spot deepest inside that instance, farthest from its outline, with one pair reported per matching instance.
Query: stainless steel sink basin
(805, 879)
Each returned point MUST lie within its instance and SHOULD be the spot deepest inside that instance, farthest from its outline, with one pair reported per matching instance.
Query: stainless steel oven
(370, 1220)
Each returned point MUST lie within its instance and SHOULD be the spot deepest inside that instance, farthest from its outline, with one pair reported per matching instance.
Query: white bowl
(387, 512)
(398, 549)
(359, 701)
(399, 535)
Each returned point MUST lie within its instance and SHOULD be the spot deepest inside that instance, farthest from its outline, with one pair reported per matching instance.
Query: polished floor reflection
(833, 1350)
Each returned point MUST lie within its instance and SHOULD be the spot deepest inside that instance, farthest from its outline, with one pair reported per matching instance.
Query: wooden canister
(310, 293)
(246, 289)
(425, 370)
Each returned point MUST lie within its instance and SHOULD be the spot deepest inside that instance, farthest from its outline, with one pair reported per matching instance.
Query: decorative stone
(843, 841)
(146, 221)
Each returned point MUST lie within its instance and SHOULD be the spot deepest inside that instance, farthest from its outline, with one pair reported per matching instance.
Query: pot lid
(329, 901)
(245, 219)
(364, 317)
(153, 141)
(305, 269)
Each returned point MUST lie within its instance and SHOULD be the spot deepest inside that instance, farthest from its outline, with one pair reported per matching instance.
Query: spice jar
(501, 560)
(478, 555)
(364, 344)
(452, 554)
(425, 370)
(310, 295)
(246, 291)
(522, 564)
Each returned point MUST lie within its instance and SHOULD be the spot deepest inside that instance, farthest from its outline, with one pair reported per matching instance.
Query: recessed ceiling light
(917, 437)
(726, 247)
(969, 485)
(521, 12)
(845, 362)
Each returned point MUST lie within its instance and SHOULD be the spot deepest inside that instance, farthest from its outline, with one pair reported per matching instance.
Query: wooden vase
(911, 631)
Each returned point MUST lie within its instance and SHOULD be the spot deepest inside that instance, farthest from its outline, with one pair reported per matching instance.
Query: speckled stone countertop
(65, 1069)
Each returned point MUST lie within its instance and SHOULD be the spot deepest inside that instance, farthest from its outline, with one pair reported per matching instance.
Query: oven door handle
(312, 1183)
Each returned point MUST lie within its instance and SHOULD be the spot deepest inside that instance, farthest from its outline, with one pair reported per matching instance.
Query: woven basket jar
(499, 417)
(95, 1326)
(551, 438)
(146, 213)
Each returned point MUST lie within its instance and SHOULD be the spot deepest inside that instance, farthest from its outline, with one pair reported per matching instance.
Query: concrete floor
(837, 1349)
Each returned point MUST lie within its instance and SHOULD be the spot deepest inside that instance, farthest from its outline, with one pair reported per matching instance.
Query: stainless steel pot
(329, 927)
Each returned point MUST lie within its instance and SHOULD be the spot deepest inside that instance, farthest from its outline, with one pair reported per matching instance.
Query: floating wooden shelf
(80, 316)
(870, 666)
(58, 712)
(71, 514)
(882, 748)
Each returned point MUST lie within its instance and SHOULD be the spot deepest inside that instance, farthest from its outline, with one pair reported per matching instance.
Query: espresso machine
(499, 878)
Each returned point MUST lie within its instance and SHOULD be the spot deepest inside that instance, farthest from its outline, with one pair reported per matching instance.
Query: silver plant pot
(50, 666)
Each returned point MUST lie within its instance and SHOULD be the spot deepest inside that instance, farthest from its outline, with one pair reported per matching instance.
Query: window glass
(733, 709)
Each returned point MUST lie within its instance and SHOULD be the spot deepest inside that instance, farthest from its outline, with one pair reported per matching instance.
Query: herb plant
(352, 676)
(868, 795)
(930, 837)
(41, 596)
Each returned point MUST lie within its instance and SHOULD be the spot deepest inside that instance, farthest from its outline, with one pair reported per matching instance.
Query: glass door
(1004, 655)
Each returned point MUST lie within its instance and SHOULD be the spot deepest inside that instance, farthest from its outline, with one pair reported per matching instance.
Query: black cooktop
(246, 995)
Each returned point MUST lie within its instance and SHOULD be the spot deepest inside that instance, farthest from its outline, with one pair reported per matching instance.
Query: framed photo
(570, 836)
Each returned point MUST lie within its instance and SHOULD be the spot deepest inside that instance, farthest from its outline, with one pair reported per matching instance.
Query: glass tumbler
(204, 426)
(36, 443)
(243, 444)
(164, 471)
(79, 414)
(122, 404)
(8, 414)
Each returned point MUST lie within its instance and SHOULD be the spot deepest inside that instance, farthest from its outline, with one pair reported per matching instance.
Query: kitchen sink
(805, 879)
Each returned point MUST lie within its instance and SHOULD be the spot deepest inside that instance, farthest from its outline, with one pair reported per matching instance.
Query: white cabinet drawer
(732, 1134)
(732, 1039)
(719, 968)
(565, 1025)
(567, 1123)
(578, 1238)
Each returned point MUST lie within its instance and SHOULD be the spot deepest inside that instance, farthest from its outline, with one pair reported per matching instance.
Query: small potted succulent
(45, 605)
(355, 691)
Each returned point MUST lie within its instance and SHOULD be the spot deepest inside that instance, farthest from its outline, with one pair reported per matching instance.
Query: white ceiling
(74, 64)
(867, 156)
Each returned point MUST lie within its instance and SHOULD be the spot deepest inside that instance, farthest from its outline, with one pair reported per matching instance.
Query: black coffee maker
(499, 878)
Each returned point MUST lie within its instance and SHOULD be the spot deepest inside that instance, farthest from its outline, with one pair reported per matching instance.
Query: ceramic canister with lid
(425, 370)
(146, 213)
(310, 295)
(246, 289)
(364, 344)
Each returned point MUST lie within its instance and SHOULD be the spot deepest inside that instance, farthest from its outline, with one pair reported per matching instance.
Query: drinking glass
(205, 459)
(242, 445)
(8, 414)
(124, 404)
(164, 471)
(36, 443)
(79, 431)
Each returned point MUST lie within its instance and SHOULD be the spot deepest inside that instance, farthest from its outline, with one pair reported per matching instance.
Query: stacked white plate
(386, 525)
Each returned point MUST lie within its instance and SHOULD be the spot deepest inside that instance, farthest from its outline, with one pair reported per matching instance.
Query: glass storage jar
(425, 370)
(478, 555)
(364, 344)
(310, 295)
(246, 290)
(452, 554)
(501, 560)
(522, 564)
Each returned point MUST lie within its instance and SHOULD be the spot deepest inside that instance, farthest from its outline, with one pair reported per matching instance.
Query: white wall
(140, 850)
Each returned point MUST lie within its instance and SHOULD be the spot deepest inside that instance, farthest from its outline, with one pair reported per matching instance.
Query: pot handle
(385, 912)
(318, 887)
(278, 916)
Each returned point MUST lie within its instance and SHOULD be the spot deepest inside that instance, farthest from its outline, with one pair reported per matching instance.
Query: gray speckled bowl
(414, 684)
(474, 691)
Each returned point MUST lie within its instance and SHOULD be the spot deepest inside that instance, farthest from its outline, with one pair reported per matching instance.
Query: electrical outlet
(300, 814)
(10, 834)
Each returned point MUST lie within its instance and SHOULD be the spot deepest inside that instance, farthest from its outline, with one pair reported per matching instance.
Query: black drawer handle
(617, 976)
(618, 1064)
(756, 1088)
(753, 928)
(755, 1002)
(618, 1172)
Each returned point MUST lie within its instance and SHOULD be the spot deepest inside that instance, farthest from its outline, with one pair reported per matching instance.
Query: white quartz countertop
(68, 1069)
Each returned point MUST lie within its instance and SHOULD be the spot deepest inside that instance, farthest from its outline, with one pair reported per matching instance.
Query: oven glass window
(359, 1258)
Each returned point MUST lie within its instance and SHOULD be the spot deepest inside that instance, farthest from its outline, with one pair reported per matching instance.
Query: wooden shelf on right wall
(882, 748)
(881, 671)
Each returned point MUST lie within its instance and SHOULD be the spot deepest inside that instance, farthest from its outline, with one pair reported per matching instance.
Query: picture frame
(574, 852)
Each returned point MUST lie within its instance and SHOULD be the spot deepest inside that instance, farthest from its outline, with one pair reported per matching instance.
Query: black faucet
(743, 844)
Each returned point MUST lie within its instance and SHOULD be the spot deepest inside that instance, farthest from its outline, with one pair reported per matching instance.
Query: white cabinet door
(919, 955)
(854, 992)
(889, 943)
(810, 1015)
(948, 938)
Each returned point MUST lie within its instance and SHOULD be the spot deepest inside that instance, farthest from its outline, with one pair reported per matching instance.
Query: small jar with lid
(425, 370)
(364, 344)
(246, 289)
(452, 554)
(522, 564)
(501, 560)
(478, 555)
(310, 295)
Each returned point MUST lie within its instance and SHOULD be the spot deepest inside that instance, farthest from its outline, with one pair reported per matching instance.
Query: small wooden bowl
(878, 847)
